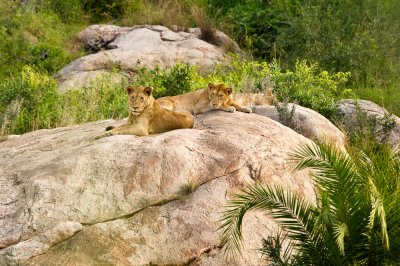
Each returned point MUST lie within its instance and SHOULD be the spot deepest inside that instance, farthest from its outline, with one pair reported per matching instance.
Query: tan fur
(147, 117)
(214, 97)
(255, 98)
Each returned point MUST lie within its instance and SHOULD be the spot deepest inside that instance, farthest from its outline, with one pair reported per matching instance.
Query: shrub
(102, 99)
(366, 131)
(48, 57)
(309, 87)
(243, 75)
(29, 101)
(179, 79)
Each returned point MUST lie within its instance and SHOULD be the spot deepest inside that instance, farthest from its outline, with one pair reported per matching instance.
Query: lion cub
(147, 117)
(214, 97)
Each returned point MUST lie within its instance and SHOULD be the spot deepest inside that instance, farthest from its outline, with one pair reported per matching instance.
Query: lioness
(255, 98)
(214, 97)
(147, 117)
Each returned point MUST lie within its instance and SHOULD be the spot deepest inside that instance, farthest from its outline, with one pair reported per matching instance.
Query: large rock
(306, 122)
(388, 126)
(66, 199)
(136, 47)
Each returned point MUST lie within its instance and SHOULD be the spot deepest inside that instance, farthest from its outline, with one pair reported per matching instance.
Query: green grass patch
(385, 96)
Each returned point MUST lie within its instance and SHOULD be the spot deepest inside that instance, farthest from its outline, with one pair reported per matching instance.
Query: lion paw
(231, 109)
(247, 110)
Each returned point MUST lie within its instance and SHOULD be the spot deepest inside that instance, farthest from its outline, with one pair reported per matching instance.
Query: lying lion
(255, 98)
(147, 117)
(215, 97)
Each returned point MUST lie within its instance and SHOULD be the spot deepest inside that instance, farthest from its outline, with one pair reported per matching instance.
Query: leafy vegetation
(30, 100)
(366, 131)
(341, 36)
(354, 222)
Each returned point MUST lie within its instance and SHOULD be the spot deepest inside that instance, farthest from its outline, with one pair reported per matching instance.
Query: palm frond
(273, 249)
(335, 173)
(340, 231)
(293, 213)
(378, 214)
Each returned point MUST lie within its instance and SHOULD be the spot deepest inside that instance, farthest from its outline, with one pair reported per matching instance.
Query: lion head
(218, 94)
(139, 99)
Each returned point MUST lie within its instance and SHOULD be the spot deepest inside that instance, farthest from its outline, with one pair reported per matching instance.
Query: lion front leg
(227, 108)
(242, 109)
(138, 130)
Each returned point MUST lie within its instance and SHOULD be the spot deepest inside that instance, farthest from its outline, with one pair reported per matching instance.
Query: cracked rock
(143, 200)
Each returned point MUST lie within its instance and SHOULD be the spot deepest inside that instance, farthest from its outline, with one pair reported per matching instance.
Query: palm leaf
(293, 213)
(341, 231)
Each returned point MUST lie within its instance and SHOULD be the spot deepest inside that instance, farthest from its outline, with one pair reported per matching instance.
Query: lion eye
(141, 98)
(133, 98)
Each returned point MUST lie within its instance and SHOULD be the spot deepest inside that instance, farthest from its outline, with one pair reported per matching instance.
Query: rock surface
(349, 109)
(305, 121)
(140, 200)
(139, 46)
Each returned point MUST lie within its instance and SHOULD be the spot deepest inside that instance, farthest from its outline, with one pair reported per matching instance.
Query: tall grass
(386, 96)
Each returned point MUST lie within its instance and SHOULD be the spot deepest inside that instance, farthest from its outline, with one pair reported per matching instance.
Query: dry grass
(166, 13)
(204, 23)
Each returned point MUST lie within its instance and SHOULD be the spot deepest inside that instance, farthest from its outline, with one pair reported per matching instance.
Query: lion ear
(211, 86)
(148, 90)
(229, 90)
(129, 89)
(270, 92)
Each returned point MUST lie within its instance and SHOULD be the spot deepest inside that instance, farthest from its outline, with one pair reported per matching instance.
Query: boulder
(305, 121)
(140, 46)
(388, 125)
(67, 199)
(97, 37)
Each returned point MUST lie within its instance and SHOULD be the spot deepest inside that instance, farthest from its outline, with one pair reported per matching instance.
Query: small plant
(189, 187)
(286, 114)
(366, 131)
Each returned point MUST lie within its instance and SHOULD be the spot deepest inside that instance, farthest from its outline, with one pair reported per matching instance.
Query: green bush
(32, 101)
(309, 87)
(243, 75)
(340, 35)
(100, 100)
(33, 34)
(68, 10)
(179, 79)
(366, 132)
(47, 57)
(29, 102)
